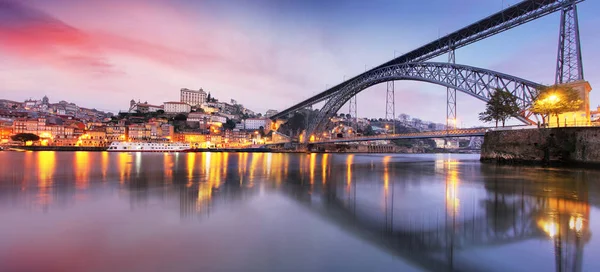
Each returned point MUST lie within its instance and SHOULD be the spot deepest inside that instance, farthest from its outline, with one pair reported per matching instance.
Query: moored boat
(148, 147)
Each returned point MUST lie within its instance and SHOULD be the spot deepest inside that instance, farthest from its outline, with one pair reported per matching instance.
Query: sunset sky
(266, 54)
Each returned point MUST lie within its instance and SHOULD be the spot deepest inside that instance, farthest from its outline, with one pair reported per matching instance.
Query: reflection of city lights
(82, 169)
(324, 167)
(191, 162)
(311, 166)
(452, 182)
(551, 228)
(349, 166)
(386, 174)
(576, 223)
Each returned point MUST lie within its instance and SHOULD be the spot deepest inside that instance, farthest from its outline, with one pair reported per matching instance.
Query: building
(146, 108)
(5, 133)
(177, 107)
(93, 137)
(270, 113)
(595, 115)
(218, 118)
(139, 132)
(115, 133)
(50, 134)
(192, 97)
(256, 123)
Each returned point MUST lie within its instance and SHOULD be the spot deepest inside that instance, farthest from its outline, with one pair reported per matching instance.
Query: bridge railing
(432, 134)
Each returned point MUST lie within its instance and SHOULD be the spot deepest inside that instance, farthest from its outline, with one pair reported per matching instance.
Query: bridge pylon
(569, 65)
(451, 97)
(390, 105)
(353, 111)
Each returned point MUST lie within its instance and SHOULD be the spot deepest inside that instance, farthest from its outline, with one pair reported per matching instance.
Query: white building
(199, 117)
(177, 107)
(256, 123)
(595, 114)
(193, 97)
(145, 107)
(218, 118)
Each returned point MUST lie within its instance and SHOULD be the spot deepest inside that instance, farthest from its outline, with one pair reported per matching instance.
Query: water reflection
(433, 210)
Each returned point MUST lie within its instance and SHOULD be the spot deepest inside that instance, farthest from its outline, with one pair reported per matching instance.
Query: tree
(180, 117)
(348, 116)
(556, 100)
(261, 131)
(25, 137)
(160, 112)
(230, 124)
(501, 106)
(208, 98)
(369, 131)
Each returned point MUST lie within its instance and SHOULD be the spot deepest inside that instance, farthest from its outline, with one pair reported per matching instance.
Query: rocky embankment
(573, 146)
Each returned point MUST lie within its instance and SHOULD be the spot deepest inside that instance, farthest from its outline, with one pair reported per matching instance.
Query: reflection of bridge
(510, 213)
(477, 82)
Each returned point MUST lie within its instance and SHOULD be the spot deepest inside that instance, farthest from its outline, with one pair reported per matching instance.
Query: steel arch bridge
(477, 82)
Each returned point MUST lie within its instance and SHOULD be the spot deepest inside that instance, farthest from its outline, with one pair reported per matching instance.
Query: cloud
(30, 34)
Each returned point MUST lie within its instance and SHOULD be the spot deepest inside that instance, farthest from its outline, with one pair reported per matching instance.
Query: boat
(148, 147)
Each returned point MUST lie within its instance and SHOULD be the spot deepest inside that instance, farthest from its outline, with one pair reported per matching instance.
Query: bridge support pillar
(390, 106)
(569, 66)
(451, 97)
(352, 111)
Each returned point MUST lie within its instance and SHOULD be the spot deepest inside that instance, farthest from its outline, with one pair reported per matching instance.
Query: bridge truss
(477, 82)
(506, 19)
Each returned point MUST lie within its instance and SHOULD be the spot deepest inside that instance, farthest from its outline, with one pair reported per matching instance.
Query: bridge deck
(415, 135)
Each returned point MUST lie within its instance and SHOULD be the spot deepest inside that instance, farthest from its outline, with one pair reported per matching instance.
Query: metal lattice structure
(352, 109)
(390, 105)
(476, 82)
(451, 97)
(569, 66)
(506, 19)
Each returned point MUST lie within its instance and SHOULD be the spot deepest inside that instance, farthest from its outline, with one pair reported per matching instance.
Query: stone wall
(553, 145)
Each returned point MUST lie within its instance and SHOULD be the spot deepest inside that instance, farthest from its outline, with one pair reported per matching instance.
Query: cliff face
(563, 145)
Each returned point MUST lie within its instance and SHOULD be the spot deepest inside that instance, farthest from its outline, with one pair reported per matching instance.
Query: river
(99, 211)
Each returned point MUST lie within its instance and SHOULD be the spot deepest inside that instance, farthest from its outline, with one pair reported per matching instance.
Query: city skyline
(103, 53)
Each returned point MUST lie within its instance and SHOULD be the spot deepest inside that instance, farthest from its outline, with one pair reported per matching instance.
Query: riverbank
(546, 146)
(54, 148)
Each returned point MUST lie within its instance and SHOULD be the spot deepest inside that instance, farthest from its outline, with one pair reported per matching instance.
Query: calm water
(292, 212)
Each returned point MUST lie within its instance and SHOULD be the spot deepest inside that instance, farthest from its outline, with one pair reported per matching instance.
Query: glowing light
(324, 167)
(576, 223)
(191, 162)
(311, 166)
(82, 169)
(349, 167)
(46, 165)
(452, 182)
(551, 228)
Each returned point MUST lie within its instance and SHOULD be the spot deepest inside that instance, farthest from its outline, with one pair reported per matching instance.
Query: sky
(266, 54)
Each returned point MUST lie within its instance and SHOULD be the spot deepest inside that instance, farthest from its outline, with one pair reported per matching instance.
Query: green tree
(555, 100)
(160, 112)
(261, 131)
(369, 131)
(229, 124)
(501, 106)
(25, 137)
(180, 117)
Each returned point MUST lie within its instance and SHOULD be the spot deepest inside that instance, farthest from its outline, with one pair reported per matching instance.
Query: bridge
(471, 132)
(477, 82)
